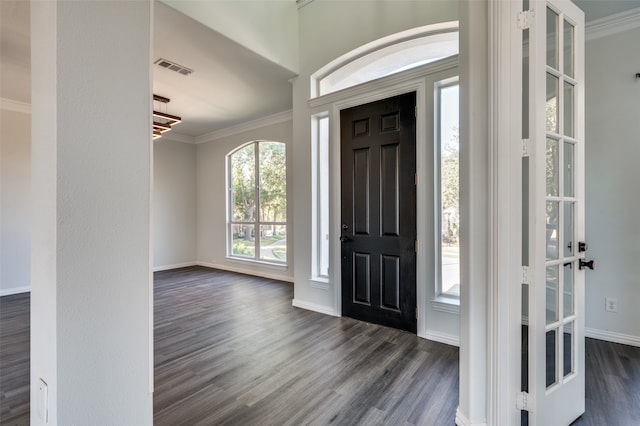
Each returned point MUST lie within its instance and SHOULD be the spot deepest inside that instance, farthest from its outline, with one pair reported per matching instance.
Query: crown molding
(269, 120)
(178, 137)
(16, 106)
(613, 24)
(302, 3)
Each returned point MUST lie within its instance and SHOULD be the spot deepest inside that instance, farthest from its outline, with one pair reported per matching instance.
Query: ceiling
(230, 84)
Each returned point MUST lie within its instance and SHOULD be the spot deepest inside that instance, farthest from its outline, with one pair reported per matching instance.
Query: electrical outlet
(611, 304)
(42, 401)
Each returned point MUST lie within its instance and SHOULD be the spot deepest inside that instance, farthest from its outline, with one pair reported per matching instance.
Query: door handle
(584, 264)
(345, 239)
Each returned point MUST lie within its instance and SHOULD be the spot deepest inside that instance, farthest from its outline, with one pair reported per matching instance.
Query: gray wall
(174, 203)
(15, 201)
(613, 174)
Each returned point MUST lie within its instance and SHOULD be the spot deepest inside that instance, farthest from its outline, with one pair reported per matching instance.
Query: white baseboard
(15, 290)
(611, 336)
(174, 266)
(314, 307)
(448, 339)
(263, 274)
(462, 420)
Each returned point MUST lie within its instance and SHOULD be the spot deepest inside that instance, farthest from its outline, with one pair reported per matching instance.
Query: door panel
(378, 164)
(556, 191)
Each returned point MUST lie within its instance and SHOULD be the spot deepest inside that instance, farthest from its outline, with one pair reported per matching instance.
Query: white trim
(174, 266)
(463, 420)
(314, 307)
(280, 117)
(612, 336)
(392, 80)
(15, 106)
(245, 271)
(177, 137)
(505, 212)
(613, 24)
(447, 339)
(447, 305)
(319, 283)
(15, 290)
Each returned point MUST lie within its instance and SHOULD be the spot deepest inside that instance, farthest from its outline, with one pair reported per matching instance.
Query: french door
(556, 245)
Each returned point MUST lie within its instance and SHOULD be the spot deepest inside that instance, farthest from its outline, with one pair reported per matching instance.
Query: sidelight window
(257, 202)
(448, 188)
(320, 139)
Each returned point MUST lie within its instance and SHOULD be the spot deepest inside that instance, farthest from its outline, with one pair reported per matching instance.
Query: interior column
(91, 298)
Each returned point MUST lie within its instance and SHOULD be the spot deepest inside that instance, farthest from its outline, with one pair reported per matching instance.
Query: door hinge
(525, 19)
(525, 147)
(525, 275)
(522, 401)
(416, 246)
(415, 179)
(415, 112)
(416, 312)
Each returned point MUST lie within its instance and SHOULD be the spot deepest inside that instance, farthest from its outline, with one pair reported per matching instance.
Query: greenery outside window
(257, 203)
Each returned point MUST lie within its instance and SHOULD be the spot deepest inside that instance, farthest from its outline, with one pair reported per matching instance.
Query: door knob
(591, 264)
(345, 239)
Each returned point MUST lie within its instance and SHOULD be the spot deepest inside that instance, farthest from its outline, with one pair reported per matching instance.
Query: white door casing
(556, 216)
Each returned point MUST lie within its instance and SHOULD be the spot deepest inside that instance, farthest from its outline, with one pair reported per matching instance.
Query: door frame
(414, 80)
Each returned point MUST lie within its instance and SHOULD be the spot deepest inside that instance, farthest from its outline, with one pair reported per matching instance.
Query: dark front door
(378, 161)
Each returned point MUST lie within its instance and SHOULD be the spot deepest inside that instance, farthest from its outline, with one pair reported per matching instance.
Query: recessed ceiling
(230, 84)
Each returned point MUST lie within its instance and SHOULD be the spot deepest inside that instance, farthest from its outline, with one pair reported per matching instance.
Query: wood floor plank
(14, 359)
(231, 350)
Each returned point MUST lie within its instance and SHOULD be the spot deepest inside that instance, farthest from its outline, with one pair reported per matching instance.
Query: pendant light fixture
(162, 121)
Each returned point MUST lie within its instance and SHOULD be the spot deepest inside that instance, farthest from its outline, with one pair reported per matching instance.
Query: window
(448, 188)
(257, 204)
(388, 55)
(320, 126)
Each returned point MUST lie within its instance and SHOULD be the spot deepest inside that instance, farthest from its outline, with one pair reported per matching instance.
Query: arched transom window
(388, 55)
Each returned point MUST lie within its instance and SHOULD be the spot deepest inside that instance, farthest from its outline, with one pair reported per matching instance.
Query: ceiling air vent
(173, 66)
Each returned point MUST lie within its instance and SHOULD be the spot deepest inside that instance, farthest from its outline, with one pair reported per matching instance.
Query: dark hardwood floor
(231, 350)
(14, 359)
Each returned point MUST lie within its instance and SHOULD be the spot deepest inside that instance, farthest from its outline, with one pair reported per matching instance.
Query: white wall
(612, 176)
(174, 204)
(15, 200)
(212, 195)
(91, 298)
(268, 27)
